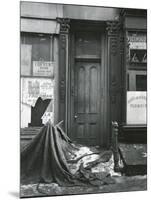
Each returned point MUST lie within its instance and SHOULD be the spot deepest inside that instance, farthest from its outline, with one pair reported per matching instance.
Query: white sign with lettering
(138, 45)
(43, 68)
(136, 107)
(138, 41)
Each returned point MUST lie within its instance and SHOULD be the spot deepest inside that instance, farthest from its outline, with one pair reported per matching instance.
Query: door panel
(80, 89)
(87, 107)
(93, 89)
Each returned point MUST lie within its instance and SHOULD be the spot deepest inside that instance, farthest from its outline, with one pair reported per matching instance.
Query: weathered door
(87, 102)
(88, 90)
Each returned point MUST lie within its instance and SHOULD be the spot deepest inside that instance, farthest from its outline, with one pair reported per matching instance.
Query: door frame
(84, 26)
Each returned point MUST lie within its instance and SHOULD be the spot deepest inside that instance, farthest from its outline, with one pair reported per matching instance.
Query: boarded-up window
(34, 48)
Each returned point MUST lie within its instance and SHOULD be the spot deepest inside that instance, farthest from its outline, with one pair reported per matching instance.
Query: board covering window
(36, 49)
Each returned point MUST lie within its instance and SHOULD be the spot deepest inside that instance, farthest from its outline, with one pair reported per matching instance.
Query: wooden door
(87, 104)
(88, 89)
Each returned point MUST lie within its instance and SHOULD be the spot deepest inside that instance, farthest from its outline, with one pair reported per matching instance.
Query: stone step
(27, 134)
(27, 137)
(29, 129)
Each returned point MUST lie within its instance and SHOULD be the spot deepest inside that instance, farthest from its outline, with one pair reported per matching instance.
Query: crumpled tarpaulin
(51, 157)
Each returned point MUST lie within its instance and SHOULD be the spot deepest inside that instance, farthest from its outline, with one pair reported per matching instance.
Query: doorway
(88, 89)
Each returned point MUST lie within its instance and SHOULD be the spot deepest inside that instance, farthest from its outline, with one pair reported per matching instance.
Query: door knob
(75, 116)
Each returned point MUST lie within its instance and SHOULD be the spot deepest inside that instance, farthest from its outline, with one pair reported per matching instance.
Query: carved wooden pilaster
(115, 48)
(127, 50)
(63, 52)
(123, 76)
(113, 28)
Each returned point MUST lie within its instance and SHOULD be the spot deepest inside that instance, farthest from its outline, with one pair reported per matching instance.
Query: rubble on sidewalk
(122, 184)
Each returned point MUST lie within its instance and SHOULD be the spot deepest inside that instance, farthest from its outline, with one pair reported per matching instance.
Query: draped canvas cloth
(46, 159)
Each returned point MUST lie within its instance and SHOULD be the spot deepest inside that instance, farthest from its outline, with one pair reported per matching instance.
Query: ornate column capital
(64, 25)
(113, 27)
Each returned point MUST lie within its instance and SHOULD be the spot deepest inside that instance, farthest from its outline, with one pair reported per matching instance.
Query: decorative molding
(113, 27)
(121, 44)
(127, 50)
(63, 41)
(62, 90)
(113, 30)
(64, 25)
(63, 37)
(113, 45)
(115, 51)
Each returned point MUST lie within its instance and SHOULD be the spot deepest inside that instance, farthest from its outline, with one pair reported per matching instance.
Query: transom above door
(87, 45)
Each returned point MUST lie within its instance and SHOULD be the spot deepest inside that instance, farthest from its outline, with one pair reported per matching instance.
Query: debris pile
(52, 158)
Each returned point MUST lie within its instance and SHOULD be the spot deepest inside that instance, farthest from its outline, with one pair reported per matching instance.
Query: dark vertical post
(123, 78)
(115, 68)
(63, 62)
(115, 147)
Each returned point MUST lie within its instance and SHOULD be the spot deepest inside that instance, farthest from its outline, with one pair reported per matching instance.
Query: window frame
(132, 78)
(23, 39)
(133, 69)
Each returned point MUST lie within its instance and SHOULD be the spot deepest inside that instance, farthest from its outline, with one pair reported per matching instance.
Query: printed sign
(26, 59)
(32, 88)
(43, 68)
(138, 45)
(138, 41)
(136, 107)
